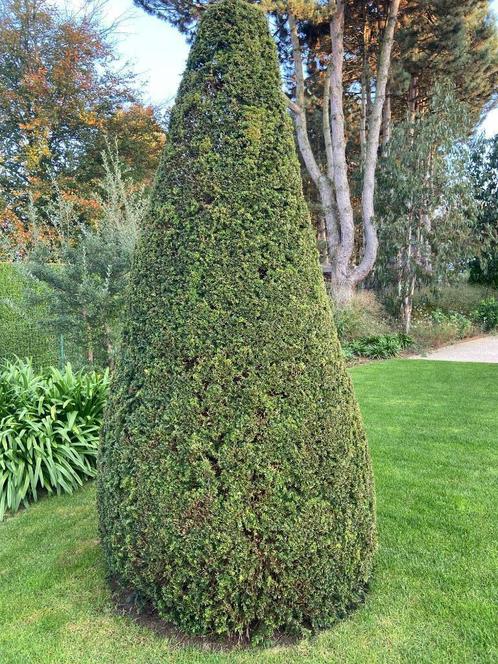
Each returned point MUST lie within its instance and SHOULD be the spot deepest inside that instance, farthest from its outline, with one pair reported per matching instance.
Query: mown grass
(432, 429)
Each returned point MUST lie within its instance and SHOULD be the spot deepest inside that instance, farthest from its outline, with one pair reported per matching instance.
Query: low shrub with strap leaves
(49, 431)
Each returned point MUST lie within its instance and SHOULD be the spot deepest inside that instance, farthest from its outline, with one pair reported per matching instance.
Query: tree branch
(298, 108)
(370, 240)
(340, 169)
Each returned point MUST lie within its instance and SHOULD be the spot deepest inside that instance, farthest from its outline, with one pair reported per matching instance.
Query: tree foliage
(235, 487)
(61, 98)
(484, 173)
(434, 40)
(84, 270)
(454, 40)
(426, 201)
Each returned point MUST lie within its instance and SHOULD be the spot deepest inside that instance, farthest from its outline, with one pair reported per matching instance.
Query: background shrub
(486, 314)
(378, 347)
(463, 299)
(364, 316)
(20, 331)
(437, 329)
(49, 430)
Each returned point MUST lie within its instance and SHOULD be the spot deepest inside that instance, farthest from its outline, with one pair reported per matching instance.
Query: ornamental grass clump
(235, 487)
(49, 431)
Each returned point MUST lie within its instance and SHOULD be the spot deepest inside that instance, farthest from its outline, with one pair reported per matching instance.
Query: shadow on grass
(141, 611)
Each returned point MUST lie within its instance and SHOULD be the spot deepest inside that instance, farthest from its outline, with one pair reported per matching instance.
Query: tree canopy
(62, 99)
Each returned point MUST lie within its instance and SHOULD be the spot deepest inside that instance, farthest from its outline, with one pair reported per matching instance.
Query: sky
(158, 52)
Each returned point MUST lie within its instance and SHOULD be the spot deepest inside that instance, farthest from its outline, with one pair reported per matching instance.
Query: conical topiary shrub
(235, 485)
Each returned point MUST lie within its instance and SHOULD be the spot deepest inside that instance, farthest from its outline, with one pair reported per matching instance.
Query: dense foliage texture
(378, 347)
(235, 485)
(484, 173)
(49, 431)
(486, 314)
(20, 331)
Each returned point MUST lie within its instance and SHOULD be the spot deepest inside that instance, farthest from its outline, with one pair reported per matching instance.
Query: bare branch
(340, 169)
(375, 121)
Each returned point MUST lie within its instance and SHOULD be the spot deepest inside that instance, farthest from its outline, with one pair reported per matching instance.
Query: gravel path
(484, 349)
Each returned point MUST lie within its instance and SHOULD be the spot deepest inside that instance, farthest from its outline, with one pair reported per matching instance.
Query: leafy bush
(378, 347)
(438, 328)
(364, 316)
(235, 487)
(486, 314)
(49, 430)
(461, 323)
(462, 298)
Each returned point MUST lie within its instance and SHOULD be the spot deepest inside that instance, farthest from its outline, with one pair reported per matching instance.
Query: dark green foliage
(378, 347)
(484, 173)
(49, 431)
(486, 314)
(235, 487)
(20, 331)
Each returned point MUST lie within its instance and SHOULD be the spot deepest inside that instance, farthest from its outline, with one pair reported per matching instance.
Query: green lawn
(433, 433)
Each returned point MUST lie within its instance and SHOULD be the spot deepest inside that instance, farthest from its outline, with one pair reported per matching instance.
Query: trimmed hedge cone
(235, 487)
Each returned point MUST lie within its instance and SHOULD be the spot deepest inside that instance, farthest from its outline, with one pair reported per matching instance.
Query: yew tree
(235, 487)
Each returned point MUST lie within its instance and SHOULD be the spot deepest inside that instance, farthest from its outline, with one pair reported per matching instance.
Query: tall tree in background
(426, 203)
(455, 40)
(61, 98)
(484, 173)
(332, 180)
(345, 96)
(235, 486)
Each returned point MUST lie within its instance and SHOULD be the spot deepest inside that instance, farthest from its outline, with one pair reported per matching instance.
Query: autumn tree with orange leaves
(62, 99)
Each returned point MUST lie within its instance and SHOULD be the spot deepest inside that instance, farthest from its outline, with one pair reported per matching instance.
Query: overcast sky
(158, 52)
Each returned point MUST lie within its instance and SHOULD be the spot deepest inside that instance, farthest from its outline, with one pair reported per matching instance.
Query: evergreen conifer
(235, 487)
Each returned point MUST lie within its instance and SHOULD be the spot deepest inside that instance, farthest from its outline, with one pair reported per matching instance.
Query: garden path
(483, 349)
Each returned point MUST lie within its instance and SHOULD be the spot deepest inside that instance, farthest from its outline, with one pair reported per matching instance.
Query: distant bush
(438, 328)
(364, 316)
(463, 325)
(462, 298)
(486, 314)
(49, 430)
(378, 347)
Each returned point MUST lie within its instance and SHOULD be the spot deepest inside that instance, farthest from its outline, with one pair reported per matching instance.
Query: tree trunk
(407, 313)
(386, 119)
(370, 240)
(332, 182)
(408, 304)
(342, 289)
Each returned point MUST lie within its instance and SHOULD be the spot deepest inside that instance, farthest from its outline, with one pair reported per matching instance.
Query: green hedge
(21, 334)
(25, 329)
(235, 484)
